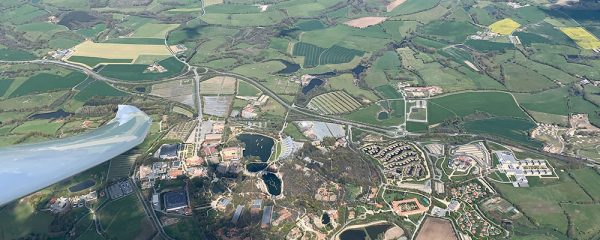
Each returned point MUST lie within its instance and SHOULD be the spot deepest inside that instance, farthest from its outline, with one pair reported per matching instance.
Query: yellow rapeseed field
(505, 26)
(582, 37)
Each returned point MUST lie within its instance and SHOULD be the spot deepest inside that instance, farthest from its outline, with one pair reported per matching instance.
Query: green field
(97, 89)
(11, 54)
(143, 41)
(369, 114)
(45, 82)
(315, 56)
(498, 104)
(516, 130)
(137, 72)
(124, 218)
(41, 126)
(245, 89)
(336, 102)
(541, 203)
(346, 82)
(450, 31)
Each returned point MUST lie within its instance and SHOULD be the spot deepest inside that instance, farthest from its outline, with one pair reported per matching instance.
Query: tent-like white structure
(27, 168)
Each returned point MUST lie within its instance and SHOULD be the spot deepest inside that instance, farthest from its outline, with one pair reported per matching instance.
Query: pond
(368, 232)
(315, 82)
(51, 115)
(82, 185)
(273, 183)
(383, 115)
(257, 145)
(289, 67)
(325, 219)
(356, 71)
(256, 167)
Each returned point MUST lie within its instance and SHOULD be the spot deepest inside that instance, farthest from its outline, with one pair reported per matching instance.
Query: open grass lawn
(92, 62)
(584, 219)
(462, 104)
(12, 54)
(21, 219)
(245, 89)
(451, 31)
(98, 89)
(153, 30)
(523, 79)
(368, 115)
(488, 46)
(45, 82)
(388, 92)
(293, 131)
(41, 126)
(413, 6)
(137, 72)
(513, 129)
(346, 82)
(552, 101)
(124, 218)
(31, 101)
(244, 19)
(4, 85)
(588, 179)
(541, 202)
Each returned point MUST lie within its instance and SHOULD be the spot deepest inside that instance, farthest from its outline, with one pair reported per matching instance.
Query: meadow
(515, 130)
(541, 203)
(45, 82)
(137, 72)
(498, 104)
(245, 89)
(98, 89)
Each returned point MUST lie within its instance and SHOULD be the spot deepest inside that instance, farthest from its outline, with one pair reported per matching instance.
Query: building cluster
(421, 92)
(400, 160)
(63, 204)
(461, 163)
(230, 160)
(172, 163)
(327, 193)
(476, 151)
(156, 68)
(475, 225)
(252, 109)
(469, 193)
(521, 169)
(317, 131)
(60, 54)
(484, 35)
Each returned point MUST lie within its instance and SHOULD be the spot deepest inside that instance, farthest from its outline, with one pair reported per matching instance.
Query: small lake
(315, 82)
(356, 71)
(256, 167)
(383, 115)
(257, 146)
(372, 232)
(325, 219)
(273, 183)
(51, 115)
(289, 67)
(82, 185)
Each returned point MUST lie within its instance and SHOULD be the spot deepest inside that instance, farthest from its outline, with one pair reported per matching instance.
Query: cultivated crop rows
(334, 103)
